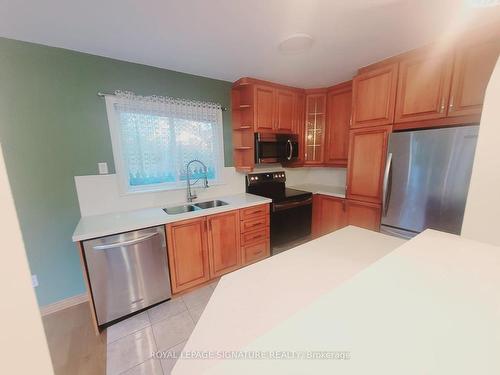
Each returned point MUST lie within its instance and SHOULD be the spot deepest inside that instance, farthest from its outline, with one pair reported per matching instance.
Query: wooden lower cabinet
(224, 242)
(208, 247)
(255, 252)
(329, 214)
(188, 253)
(364, 215)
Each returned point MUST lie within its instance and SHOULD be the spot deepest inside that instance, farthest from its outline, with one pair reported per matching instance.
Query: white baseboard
(64, 304)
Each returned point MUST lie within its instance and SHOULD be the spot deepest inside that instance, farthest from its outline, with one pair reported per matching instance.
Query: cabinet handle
(442, 105)
(451, 103)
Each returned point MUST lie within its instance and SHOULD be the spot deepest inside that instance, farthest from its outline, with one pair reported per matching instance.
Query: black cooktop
(272, 185)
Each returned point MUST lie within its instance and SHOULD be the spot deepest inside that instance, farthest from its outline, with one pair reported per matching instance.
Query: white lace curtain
(155, 137)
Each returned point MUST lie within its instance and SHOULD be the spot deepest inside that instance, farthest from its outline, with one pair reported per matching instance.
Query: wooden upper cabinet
(224, 242)
(339, 102)
(366, 166)
(364, 215)
(315, 128)
(423, 87)
(264, 108)
(474, 63)
(188, 253)
(285, 101)
(374, 96)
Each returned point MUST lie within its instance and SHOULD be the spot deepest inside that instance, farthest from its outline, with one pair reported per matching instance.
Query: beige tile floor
(166, 327)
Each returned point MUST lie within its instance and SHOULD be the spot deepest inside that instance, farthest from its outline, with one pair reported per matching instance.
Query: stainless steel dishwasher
(127, 272)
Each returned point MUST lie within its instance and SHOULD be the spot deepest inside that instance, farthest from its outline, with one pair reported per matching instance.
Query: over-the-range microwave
(276, 148)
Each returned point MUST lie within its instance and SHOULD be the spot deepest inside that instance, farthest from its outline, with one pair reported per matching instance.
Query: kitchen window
(155, 137)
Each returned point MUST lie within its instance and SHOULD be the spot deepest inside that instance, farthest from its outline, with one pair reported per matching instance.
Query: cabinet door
(284, 110)
(264, 108)
(187, 253)
(374, 96)
(224, 242)
(367, 154)
(337, 126)
(423, 87)
(364, 215)
(332, 214)
(474, 63)
(315, 128)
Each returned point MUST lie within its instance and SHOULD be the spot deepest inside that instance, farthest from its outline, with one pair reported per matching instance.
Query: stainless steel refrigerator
(426, 180)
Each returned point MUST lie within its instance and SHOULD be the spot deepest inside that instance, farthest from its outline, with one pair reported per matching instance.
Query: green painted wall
(53, 126)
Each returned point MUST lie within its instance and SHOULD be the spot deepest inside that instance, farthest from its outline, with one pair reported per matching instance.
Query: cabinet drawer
(255, 252)
(254, 212)
(254, 236)
(254, 224)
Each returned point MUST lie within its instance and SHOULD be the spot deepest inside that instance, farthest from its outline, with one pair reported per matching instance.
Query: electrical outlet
(103, 168)
(34, 281)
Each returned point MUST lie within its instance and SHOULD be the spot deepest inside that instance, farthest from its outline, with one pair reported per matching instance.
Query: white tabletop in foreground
(257, 299)
(430, 307)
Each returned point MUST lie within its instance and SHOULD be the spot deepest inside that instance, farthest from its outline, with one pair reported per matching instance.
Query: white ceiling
(229, 39)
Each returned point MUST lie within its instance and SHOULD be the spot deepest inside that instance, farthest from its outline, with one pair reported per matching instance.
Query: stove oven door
(290, 221)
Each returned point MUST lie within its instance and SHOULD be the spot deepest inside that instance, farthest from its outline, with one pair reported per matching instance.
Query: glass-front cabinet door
(315, 128)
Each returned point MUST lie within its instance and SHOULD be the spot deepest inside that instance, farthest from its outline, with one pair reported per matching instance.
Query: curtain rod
(104, 94)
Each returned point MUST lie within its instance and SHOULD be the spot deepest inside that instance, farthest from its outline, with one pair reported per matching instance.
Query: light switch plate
(103, 168)
(34, 281)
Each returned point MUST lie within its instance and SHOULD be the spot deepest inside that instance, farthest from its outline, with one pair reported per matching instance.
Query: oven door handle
(293, 204)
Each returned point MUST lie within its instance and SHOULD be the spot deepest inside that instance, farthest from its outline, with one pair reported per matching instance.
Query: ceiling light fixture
(296, 43)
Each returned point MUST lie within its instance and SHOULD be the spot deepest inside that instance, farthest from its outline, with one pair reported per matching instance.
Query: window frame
(121, 169)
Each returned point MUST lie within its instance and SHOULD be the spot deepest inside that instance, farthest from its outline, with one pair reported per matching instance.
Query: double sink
(175, 210)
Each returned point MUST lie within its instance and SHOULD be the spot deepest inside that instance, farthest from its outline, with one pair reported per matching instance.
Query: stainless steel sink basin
(210, 204)
(181, 209)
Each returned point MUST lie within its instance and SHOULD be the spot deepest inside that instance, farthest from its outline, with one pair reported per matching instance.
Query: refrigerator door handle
(385, 190)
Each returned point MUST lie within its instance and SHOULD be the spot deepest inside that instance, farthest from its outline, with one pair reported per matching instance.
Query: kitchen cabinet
(205, 248)
(264, 115)
(475, 60)
(188, 253)
(367, 156)
(374, 96)
(285, 101)
(274, 109)
(224, 242)
(255, 233)
(423, 86)
(364, 215)
(339, 102)
(329, 214)
(315, 128)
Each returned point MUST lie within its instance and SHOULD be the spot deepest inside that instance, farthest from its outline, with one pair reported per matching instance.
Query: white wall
(22, 341)
(482, 211)
(101, 195)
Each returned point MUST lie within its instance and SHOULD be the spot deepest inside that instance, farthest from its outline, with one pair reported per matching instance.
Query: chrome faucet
(192, 195)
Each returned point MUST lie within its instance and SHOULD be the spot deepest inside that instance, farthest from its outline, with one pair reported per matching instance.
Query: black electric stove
(291, 209)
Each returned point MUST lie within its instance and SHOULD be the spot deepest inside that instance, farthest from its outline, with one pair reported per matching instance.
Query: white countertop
(254, 300)
(334, 191)
(429, 307)
(103, 225)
